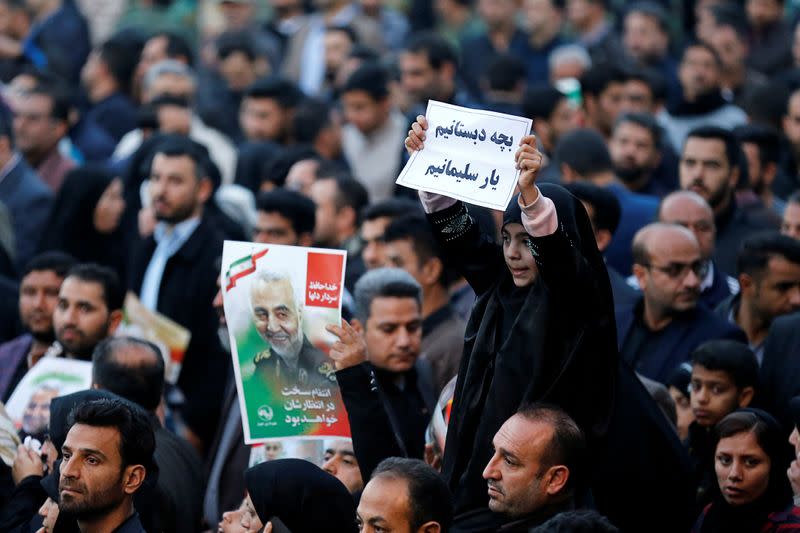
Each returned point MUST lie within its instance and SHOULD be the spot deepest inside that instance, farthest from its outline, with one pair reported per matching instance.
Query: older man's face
(276, 315)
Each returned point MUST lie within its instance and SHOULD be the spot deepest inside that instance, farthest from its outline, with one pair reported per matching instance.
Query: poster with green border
(278, 300)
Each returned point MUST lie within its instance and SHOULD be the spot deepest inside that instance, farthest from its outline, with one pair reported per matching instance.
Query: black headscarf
(304, 497)
(723, 517)
(60, 408)
(70, 227)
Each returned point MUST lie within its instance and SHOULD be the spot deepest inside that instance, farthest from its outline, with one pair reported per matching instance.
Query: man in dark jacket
(779, 375)
(178, 262)
(659, 332)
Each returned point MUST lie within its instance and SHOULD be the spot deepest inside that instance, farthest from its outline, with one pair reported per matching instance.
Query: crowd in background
(618, 350)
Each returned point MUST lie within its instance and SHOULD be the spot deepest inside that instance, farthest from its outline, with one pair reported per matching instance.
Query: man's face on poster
(36, 417)
(277, 316)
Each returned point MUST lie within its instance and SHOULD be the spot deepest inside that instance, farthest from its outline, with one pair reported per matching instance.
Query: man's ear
(114, 320)
(768, 173)
(734, 179)
(746, 282)
(430, 527)
(557, 477)
(346, 219)
(133, 478)
(431, 271)
(204, 190)
(746, 396)
(603, 237)
(641, 275)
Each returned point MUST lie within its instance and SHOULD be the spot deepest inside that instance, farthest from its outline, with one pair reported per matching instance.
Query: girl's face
(742, 468)
(250, 521)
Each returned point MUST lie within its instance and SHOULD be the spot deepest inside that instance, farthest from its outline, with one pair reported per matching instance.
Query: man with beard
(89, 310)
(38, 296)
(107, 456)
(635, 148)
(173, 273)
(290, 360)
(661, 329)
(702, 102)
(710, 166)
(761, 146)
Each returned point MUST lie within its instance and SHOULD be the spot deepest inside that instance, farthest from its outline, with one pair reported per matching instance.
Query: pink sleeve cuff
(432, 202)
(539, 218)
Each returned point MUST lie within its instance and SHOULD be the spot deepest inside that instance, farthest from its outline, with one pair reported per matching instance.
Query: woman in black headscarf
(85, 219)
(300, 495)
(750, 465)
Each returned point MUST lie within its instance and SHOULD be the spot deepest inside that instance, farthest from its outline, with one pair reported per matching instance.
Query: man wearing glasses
(659, 331)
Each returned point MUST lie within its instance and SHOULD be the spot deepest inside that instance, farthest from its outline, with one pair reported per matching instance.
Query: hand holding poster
(278, 300)
(468, 155)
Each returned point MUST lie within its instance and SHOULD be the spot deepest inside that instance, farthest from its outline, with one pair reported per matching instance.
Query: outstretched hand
(528, 160)
(416, 135)
(350, 349)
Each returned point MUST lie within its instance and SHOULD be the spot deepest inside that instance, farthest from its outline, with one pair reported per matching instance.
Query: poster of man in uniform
(278, 300)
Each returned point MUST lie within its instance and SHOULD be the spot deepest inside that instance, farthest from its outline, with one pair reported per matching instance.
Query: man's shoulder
(708, 323)
(14, 347)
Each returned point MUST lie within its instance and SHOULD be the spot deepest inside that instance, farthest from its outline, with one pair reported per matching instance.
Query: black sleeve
(24, 503)
(473, 254)
(374, 438)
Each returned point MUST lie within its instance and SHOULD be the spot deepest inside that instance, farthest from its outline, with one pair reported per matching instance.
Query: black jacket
(734, 225)
(779, 376)
(187, 291)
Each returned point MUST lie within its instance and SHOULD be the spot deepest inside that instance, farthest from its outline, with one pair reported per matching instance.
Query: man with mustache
(711, 165)
(107, 455)
(662, 328)
(290, 360)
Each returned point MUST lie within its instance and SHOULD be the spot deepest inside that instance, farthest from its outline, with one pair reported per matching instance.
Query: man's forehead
(394, 309)
(104, 439)
(684, 210)
(77, 289)
(42, 276)
(702, 147)
(371, 229)
(523, 437)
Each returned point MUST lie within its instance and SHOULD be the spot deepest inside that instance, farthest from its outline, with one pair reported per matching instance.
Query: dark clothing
(28, 200)
(25, 501)
(179, 490)
(70, 226)
(656, 354)
(770, 49)
(385, 419)
(314, 369)
(784, 521)
(10, 324)
(188, 287)
(526, 523)
(131, 525)
(779, 376)
(13, 364)
(95, 144)
(115, 114)
(719, 291)
(481, 54)
(60, 43)
(303, 496)
(700, 446)
(734, 225)
(443, 344)
(536, 59)
(638, 210)
(529, 344)
(624, 295)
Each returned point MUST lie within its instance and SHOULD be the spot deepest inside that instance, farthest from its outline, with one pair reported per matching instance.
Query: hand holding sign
(350, 349)
(527, 160)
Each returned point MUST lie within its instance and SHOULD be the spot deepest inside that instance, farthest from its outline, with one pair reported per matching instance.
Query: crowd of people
(613, 352)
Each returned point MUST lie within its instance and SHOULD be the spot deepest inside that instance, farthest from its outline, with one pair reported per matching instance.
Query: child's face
(713, 395)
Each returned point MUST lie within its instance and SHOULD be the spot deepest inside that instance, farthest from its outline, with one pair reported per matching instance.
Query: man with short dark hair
(26, 196)
(385, 388)
(373, 131)
(405, 495)
(591, 21)
(178, 261)
(38, 298)
(537, 467)
(711, 166)
(582, 155)
(731, 41)
(160, 46)
(769, 276)
(134, 370)
(267, 110)
(770, 36)
(761, 146)
(791, 217)
(645, 36)
(374, 221)
(659, 332)
(603, 88)
(411, 245)
(41, 121)
(89, 309)
(636, 151)
(284, 217)
(702, 102)
(319, 124)
(106, 76)
(544, 20)
(107, 455)
(552, 114)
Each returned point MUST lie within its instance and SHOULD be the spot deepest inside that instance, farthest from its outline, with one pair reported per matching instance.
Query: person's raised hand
(416, 135)
(528, 160)
(350, 349)
(268, 528)
(26, 463)
(794, 478)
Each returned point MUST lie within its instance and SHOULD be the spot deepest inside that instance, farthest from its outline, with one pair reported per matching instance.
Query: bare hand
(433, 458)
(26, 463)
(794, 477)
(416, 135)
(268, 528)
(350, 349)
(529, 161)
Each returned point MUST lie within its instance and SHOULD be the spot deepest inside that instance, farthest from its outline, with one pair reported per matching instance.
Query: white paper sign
(468, 155)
